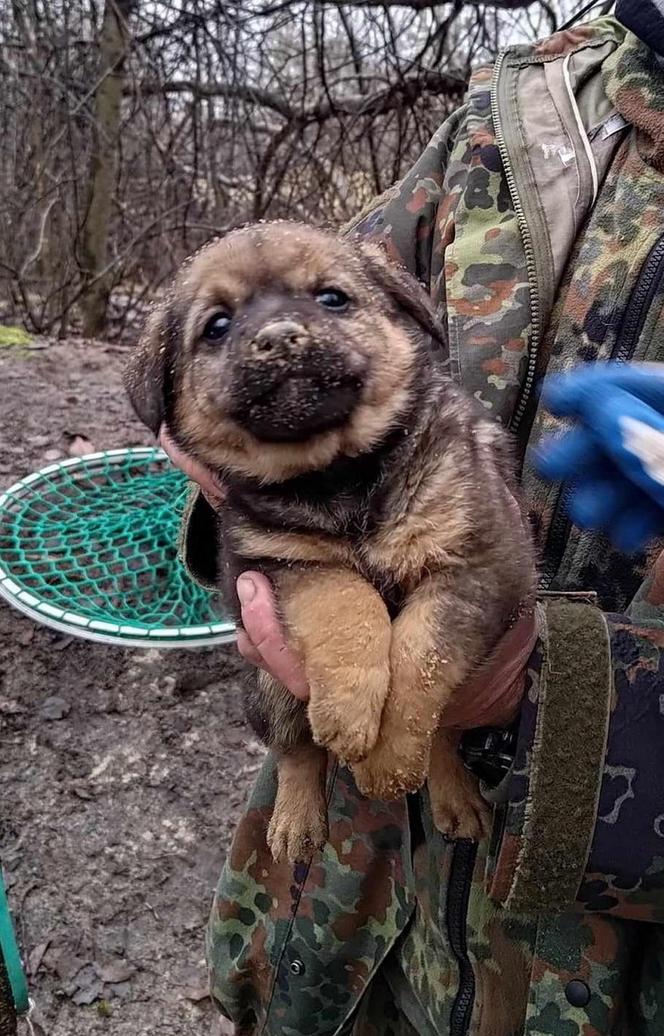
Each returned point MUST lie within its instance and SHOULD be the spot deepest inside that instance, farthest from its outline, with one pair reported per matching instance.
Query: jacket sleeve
(584, 818)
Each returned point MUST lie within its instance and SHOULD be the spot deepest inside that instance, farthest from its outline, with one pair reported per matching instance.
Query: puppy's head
(280, 348)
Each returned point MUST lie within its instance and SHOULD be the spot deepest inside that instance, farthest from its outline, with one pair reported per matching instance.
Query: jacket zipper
(526, 238)
(641, 301)
(458, 894)
(465, 851)
(635, 317)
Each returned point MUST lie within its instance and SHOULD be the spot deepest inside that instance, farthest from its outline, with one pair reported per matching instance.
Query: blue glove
(613, 458)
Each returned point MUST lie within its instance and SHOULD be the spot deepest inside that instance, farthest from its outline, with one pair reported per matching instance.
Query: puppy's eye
(217, 327)
(333, 298)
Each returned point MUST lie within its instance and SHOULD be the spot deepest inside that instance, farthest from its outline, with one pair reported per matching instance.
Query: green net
(90, 545)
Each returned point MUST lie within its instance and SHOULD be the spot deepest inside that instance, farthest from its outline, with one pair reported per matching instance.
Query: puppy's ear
(146, 373)
(405, 291)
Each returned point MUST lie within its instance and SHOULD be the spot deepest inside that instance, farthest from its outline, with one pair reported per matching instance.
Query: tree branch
(408, 90)
(411, 5)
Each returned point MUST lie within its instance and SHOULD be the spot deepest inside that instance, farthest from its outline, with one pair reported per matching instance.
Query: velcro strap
(567, 760)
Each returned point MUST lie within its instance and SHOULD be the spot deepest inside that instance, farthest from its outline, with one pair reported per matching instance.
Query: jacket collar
(634, 83)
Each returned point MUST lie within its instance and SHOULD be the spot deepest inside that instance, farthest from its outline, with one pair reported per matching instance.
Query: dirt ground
(122, 772)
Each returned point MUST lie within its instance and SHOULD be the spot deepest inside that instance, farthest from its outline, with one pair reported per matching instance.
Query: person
(534, 217)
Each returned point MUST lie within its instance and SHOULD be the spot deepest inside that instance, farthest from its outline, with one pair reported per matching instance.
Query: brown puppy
(309, 372)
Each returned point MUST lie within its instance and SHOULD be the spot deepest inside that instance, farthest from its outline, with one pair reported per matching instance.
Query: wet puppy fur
(309, 372)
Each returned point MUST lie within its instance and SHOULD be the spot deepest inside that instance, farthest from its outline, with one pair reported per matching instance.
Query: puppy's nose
(279, 334)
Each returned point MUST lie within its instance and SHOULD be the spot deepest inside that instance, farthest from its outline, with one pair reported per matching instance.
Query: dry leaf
(115, 972)
(79, 446)
(37, 956)
(197, 993)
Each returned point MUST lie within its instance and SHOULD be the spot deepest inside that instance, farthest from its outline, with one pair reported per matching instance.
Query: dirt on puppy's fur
(309, 372)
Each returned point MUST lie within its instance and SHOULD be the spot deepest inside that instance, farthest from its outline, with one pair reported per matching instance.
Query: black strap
(583, 11)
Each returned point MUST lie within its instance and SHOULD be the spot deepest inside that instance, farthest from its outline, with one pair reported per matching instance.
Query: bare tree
(133, 132)
(114, 44)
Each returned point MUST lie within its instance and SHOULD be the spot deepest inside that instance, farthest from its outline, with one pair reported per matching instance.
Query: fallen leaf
(60, 643)
(79, 446)
(197, 993)
(116, 971)
(81, 791)
(122, 990)
(54, 708)
(88, 994)
(66, 965)
(86, 987)
(37, 956)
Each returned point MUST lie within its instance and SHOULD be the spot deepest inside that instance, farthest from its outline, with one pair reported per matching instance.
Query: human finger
(265, 632)
(193, 469)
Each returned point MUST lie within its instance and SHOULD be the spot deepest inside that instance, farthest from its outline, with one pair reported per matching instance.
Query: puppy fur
(309, 373)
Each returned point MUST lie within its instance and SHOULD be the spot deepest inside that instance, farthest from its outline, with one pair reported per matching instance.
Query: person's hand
(211, 487)
(492, 696)
(261, 642)
(612, 460)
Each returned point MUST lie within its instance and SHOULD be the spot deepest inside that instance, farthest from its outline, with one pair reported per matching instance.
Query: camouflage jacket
(535, 218)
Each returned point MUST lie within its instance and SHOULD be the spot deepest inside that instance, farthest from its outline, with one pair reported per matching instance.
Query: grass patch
(13, 336)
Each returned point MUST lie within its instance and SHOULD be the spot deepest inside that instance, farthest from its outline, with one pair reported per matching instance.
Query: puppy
(309, 373)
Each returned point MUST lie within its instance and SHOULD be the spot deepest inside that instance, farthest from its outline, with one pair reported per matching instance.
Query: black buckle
(488, 752)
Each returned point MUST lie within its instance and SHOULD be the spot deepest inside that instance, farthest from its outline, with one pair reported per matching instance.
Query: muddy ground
(122, 773)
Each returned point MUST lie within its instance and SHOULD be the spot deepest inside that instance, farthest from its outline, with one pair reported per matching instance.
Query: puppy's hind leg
(299, 820)
(457, 807)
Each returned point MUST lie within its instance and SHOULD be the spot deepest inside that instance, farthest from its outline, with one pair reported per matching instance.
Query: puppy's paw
(346, 719)
(459, 811)
(296, 834)
(387, 774)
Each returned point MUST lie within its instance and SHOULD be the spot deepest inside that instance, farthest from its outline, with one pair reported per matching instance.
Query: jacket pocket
(291, 949)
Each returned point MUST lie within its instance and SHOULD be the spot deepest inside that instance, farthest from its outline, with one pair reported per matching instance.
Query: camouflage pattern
(317, 932)
(393, 930)
(591, 319)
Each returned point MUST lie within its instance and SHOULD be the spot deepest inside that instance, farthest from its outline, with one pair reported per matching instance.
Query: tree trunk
(114, 43)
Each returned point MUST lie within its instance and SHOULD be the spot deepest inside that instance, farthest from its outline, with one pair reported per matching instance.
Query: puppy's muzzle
(290, 384)
(286, 336)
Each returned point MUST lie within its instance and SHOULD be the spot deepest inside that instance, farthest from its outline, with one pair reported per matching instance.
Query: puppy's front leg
(341, 629)
(437, 637)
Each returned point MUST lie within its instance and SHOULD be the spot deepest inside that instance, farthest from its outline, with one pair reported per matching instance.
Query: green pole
(13, 986)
